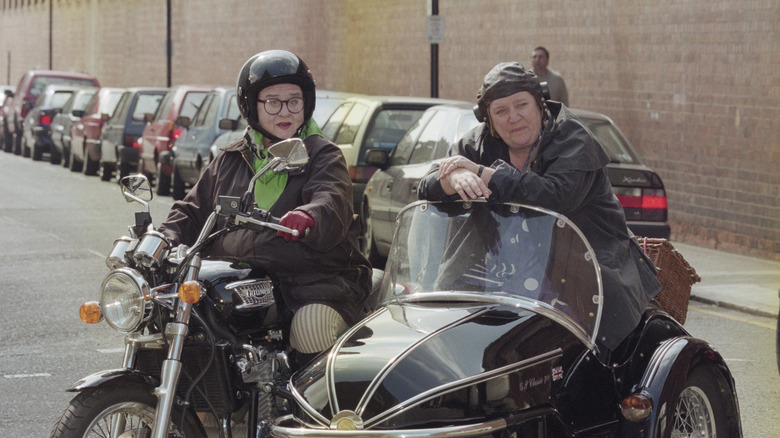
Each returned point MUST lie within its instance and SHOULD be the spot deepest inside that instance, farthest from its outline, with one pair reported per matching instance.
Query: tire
(705, 407)
(91, 166)
(8, 142)
(93, 413)
(55, 157)
(65, 154)
(178, 187)
(17, 143)
(367, 243)
(75, 164)
(106, 172)
(37, 153)
(163, 181)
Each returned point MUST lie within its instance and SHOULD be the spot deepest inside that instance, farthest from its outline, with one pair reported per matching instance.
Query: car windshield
(39, 83)
(504, 253)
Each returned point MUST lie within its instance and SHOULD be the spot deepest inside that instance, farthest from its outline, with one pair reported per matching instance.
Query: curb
(732, 306)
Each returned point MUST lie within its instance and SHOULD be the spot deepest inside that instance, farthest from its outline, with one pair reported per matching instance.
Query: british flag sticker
(557, 373)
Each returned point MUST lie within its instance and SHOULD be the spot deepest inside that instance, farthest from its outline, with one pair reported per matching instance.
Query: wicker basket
(675, 275)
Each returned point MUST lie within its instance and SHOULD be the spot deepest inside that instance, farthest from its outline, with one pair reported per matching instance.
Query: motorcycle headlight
(122, 299)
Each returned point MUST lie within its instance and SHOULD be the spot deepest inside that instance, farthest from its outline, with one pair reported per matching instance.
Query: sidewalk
(730, 280)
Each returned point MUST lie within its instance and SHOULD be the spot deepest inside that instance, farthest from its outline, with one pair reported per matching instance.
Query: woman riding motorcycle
(323, 277)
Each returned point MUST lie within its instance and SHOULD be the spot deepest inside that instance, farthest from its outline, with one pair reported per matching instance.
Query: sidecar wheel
(96, 411)
(705, 407)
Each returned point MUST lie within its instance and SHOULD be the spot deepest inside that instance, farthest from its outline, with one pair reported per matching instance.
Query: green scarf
(269, 187)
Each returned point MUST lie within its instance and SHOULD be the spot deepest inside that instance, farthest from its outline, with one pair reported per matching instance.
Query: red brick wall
(694, 84)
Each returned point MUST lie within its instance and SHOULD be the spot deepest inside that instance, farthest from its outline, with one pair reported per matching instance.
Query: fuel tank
(244, 298)
(409, 363)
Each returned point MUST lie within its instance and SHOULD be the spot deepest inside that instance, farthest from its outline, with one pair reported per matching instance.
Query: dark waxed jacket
(568, 175)
(324, 267)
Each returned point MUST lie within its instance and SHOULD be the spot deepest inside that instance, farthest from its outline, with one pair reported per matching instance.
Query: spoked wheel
(705, 408)
(118, 412)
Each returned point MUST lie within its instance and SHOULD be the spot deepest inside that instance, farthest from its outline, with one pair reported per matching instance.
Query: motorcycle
(203, 336)
(487, 327)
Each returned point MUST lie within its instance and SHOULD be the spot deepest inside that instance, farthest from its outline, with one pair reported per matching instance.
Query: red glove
(297, 220)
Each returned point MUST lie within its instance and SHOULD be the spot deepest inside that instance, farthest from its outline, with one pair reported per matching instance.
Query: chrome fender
(117, 376)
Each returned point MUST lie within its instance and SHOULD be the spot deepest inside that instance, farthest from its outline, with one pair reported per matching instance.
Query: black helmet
(270, 68)
(506, 79)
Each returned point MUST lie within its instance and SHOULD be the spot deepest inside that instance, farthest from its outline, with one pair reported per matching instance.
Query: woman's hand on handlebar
(299, 221)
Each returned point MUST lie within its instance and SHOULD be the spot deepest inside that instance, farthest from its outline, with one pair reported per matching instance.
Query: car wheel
(36, 153)
(106, 171)
(177, 190)
(163, 181)
(8, 142)
(17, 143)
(75, 164)
(55, 157)
(65, 155)
(705, 407)
(26, 151)
(91, 166)
(367, 243)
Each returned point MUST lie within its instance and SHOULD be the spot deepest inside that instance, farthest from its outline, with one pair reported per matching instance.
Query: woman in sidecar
(488, 327)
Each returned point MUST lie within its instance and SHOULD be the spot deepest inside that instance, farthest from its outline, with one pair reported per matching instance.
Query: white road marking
(24, 376)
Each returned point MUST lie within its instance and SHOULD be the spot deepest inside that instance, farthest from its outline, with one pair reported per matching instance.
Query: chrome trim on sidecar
(479, 429)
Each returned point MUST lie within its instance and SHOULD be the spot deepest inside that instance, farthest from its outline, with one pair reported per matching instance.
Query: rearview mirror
(291, 152)
(183, 121)
(378, 158)
(136, 188)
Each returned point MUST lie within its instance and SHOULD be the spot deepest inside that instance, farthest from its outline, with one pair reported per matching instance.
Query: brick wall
(694, 84)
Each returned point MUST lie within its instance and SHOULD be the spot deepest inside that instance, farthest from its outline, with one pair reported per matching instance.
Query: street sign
(435, 29)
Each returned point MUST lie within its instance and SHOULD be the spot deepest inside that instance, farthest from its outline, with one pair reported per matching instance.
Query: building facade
(694, 84)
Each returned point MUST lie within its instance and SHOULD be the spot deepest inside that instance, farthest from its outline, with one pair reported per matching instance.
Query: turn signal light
(189, 292)
(636, 407)
(89, 312)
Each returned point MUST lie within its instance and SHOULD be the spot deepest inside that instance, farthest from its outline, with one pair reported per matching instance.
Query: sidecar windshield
(475, 251)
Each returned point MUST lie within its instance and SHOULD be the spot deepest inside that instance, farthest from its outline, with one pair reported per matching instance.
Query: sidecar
(488, 328)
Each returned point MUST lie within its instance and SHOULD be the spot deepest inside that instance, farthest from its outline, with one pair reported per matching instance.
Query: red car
(162, 130)
(30, 87)
(85, 133)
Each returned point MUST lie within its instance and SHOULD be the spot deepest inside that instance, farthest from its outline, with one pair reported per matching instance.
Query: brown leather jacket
(324, 267)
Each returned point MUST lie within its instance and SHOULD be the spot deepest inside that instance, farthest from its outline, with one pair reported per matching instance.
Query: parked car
(395, 185)
(30, 87)
(6, 94)
(639, 189)
(63, 120)
(36, 136)
(162, 130)
(191, 150)
(327, 102)
(85, 133)
(119, 136)
(371, 122)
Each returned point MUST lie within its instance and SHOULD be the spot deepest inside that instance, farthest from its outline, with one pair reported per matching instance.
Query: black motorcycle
(203, 336)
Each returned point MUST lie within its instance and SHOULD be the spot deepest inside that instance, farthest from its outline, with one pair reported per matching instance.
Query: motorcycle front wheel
(126, 412)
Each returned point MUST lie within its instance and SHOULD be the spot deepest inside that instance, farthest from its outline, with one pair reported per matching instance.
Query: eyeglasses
(274, 106)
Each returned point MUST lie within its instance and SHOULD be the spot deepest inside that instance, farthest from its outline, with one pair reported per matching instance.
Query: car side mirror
(183, 121)
(77, 113)
(378, 158)
(148, 117)
(229, 124)
(8, 93)
(104, 116)
(27, 106)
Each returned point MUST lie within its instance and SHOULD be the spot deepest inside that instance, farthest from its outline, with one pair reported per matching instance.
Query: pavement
(743, 283)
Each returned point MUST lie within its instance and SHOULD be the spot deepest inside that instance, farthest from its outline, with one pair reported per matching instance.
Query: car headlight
(122, 299)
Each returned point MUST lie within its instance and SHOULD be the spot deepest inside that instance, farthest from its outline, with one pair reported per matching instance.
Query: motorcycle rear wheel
(95, 412)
